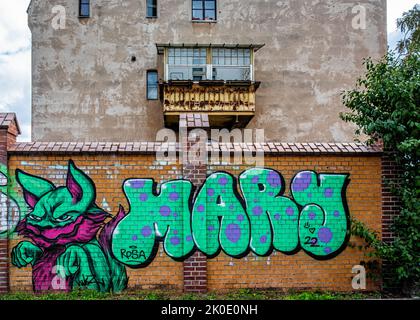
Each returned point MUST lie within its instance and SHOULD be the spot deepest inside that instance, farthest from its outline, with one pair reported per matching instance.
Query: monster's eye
(63, 218)
(34, 217)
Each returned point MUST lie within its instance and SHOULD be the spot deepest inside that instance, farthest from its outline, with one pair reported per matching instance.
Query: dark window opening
(204, 10)
(152, 85)
(151, 8)
(84, 8)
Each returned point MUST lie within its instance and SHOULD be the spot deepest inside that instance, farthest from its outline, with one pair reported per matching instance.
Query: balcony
(229, 104)
(209, 78)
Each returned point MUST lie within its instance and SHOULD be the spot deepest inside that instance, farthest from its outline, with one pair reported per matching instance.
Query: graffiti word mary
(219, 218)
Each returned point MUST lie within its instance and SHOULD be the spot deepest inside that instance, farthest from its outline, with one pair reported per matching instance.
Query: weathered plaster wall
(85, 86)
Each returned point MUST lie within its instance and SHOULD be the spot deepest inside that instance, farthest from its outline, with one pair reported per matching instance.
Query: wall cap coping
(272, 148)
(6, 120)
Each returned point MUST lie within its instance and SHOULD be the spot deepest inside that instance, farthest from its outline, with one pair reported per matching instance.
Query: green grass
(242, 294)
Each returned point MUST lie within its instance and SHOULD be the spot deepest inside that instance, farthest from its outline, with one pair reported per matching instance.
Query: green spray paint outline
(10, 191)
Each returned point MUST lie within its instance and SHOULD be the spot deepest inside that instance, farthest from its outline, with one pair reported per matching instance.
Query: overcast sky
(15, 56)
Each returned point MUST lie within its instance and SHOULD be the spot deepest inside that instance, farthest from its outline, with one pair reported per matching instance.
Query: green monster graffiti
(64, 222)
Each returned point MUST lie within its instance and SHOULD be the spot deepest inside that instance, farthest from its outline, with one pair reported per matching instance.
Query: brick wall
(391, 206)
(109, 169)
(9, 130)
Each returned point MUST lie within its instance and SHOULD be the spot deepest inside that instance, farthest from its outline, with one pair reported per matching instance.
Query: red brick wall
(300, 271)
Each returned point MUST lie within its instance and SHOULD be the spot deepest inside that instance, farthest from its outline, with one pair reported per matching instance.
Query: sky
(15, 56)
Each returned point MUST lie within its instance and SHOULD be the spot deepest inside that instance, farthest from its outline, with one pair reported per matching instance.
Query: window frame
(84, 3)
(148, 85)
(147, 9)
(244, 61)
(203, 11)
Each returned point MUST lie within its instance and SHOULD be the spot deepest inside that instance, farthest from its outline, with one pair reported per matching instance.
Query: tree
(385, 105)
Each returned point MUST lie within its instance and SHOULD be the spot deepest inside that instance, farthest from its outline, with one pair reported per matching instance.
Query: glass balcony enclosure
(212, 62)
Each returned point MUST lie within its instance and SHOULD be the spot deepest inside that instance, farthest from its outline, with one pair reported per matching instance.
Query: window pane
(84, 10)
(198, 4)
(151, 11)
(210, 4)
(197, 14)
(152, 85)
(210, 14)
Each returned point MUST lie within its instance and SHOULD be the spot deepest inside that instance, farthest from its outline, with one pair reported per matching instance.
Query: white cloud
(15, 63)
(395, 10)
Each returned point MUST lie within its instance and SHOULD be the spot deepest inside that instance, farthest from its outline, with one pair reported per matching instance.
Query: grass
(242, 294)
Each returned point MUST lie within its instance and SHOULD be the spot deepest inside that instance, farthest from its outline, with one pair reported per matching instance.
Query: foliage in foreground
(386, 105)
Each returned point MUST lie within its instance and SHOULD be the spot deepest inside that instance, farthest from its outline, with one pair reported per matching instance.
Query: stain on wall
(86, 88)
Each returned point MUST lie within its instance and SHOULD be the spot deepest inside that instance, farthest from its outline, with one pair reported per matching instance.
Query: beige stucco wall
(86, 88)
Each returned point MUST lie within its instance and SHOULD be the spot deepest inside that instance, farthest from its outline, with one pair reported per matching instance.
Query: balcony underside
(228, 104)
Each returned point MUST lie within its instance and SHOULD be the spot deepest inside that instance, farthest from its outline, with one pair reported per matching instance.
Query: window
(187, 63)
(203, 10)
(211, 63)
(151, 8)
(231, 64)
(84, 8)
(152, 85)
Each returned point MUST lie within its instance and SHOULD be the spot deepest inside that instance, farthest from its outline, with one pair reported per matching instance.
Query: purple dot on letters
(175, 214)
(257, 211)
(255, 179)
(173, 186)
(302, 181)
(165, 211)
(327, 250)
(134, 238)
(223, 181)
(263, 239)
(277, 216)
(137, 184)
(146, 231)
(312, 215)
(210, 228)
(175, 241)
(336, 213)
(328, 193)
(174, 196)
(240, 218)
(175, 231)
(189, 238)
(273, 179)
(290, 211)
(200, 208)
(233, 232)
(271, 194)
(231, 207)
(210, 192)
(325, 235)
(309, 195)
(143, 197)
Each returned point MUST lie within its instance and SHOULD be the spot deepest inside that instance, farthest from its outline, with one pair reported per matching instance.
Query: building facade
(111, 70)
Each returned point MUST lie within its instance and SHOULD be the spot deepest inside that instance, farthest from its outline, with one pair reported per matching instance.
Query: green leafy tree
(385, 105)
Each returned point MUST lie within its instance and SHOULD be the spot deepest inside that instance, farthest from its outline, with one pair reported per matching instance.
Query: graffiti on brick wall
(63, 224)
(12, 204)
(219, 218)
(236, 216)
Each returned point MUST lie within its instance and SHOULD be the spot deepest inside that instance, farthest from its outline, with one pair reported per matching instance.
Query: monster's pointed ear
(80, 186)
(33, 187)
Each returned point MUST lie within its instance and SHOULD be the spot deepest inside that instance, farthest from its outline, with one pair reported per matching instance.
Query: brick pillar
(9, 130)
(194, 170)
(391, 206)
